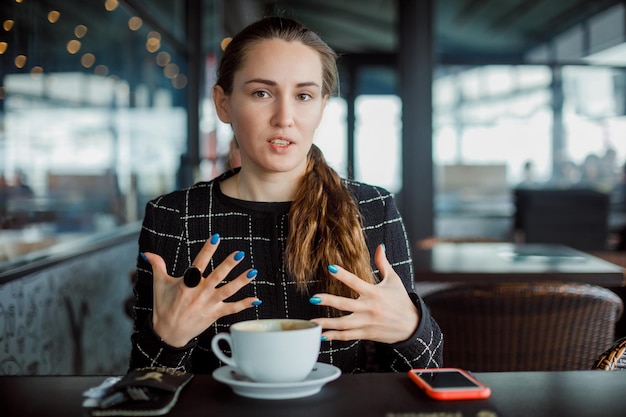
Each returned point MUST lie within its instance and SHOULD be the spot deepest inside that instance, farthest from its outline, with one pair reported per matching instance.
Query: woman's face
(275, 106)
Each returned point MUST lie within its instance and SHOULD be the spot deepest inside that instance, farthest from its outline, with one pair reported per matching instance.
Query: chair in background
(574, 217)
(614, 358)
(617, 258)
(525, 326)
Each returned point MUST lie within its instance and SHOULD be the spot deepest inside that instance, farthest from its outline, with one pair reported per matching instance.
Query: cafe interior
(499, 126)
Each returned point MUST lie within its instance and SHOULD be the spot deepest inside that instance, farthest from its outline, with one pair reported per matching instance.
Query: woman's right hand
(181, 313)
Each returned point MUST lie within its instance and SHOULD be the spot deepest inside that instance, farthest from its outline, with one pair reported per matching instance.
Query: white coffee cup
(271, 350)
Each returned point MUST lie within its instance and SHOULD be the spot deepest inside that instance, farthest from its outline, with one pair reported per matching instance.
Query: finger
(161, 280)
(237, 284)
(343, 328)
(343, 335)
(335, 301)
(157, 263)
(238, 306)
(223, 269)
(206, 253)
(349, 321)
(349, 279)
(381, 261)
(389, 277)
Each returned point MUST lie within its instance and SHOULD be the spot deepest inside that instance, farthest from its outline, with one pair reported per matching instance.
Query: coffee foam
(275, 325)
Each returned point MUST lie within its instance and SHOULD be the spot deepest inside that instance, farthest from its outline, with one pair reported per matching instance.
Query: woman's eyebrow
(261, 81)
(308, 84)
(274, 83)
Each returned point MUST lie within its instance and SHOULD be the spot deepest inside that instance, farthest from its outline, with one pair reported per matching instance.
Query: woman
(281, 236)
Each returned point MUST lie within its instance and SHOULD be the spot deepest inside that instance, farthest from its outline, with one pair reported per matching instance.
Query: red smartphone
(449, 384)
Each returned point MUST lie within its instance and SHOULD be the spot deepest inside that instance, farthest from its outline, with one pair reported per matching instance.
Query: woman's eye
(304, 97)
(261, 94)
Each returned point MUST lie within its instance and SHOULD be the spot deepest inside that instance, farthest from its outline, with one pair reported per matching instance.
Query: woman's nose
(283, 113)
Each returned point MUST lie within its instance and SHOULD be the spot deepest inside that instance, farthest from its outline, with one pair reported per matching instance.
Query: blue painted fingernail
(252, 273)
(215, 238)
(333, 269)
(144, 257)
(257, 303)
(384, 247)
(315, 300)
(323, 338)
(239, 255)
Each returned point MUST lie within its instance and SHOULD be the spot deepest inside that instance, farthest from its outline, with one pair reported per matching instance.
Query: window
(92, 120)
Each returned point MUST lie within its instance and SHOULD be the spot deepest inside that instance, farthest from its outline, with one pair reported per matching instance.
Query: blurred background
(105, 104)
(459, 107)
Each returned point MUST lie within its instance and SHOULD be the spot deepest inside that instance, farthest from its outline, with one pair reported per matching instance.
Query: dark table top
(507, 262)
(523, 394)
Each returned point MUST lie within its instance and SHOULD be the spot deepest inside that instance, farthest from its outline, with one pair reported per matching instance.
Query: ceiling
(466, 31)
(498, 30)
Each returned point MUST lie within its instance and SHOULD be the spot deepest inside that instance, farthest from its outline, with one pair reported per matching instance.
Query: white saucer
(321, 374)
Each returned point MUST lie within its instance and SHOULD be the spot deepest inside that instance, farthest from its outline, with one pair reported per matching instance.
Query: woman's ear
(220, 99)
(326, 97)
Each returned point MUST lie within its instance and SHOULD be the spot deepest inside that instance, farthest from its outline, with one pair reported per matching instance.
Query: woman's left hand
(383, 312)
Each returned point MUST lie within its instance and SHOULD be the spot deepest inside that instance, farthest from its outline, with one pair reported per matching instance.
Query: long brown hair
(325, 228)
(324, 220)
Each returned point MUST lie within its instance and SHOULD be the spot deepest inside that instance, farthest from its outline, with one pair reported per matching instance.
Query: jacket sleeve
(160, 234)
(424, 349)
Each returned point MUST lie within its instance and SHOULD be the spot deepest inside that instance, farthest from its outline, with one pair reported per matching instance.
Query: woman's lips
(280, 142)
